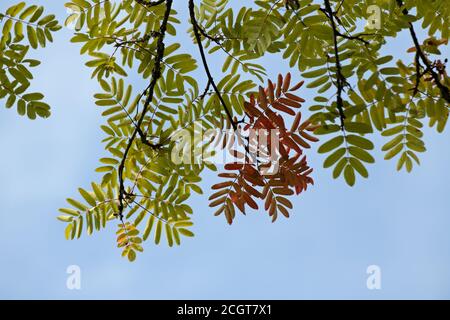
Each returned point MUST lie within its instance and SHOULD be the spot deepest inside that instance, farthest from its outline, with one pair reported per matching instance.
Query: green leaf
(158, 232)
(331, 144)
(361, 154)
(88, 197)
(334, 157)
(361, 142)
(359, 167)
(358, 127)
(185, 232)
(349, 175)
(131, 255)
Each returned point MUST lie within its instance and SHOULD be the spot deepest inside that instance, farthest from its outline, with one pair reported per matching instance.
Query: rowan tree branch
(197, 33)
(340, 81)
(156, 74)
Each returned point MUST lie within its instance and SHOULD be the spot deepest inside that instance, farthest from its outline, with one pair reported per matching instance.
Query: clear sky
(397, 221)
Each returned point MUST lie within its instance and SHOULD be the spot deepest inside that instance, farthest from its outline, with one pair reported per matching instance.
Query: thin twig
(148, 3)
(340, 81)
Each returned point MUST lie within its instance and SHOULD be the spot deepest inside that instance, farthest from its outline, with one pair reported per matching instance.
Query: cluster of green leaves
(379, 95)
(382, 96)
(94, 211)
(23, 27)
(157, 189)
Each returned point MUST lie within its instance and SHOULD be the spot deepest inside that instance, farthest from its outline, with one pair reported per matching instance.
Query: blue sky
(394, 220)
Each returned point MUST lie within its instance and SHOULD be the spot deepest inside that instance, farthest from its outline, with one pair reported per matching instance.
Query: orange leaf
(241, 205)
(218, 202)
(285, 202)
(287, 82)
(271, 91)
(294, 97)
(222, 185)
(284, 211)
(251, 109)
(304, 125)
(252, 191)
(228, 216)
(219, 211)
(250, 201)
(269, 198)
(227, 175)
(218, 194)
(279, 85)
(290, 102)
(297, 86)
(273, 210)
(234, 166)
(283, 108)
(300, 141)
(283, 191)
(262, 98)
(296, 122)
(308, 137)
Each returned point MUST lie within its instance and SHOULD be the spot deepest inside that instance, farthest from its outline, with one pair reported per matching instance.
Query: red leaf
(290, 103)
(234, 166)
(287, 82)
(294, 97)
(283, 108)
(297, 86)
(279, 85)
(252, 204)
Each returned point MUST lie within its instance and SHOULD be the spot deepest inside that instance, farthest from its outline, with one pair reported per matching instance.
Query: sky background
(397, 221)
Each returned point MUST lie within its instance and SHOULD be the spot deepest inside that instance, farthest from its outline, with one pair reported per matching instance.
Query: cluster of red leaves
(252, 180)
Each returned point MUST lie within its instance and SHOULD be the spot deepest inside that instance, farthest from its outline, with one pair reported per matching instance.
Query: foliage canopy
(338, 48)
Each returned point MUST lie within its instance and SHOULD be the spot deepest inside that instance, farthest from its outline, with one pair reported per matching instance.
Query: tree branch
(340, 81)
(197, 35)
(355, 37)
(156, 74)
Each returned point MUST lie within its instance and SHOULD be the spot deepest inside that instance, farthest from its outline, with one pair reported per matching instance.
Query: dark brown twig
(197, 34)
(156, 74)
(340, 81)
